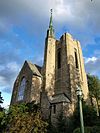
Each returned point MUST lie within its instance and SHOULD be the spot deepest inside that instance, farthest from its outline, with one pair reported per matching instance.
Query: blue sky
(23, 26)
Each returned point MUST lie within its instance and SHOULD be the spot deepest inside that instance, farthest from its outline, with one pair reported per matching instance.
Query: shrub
(94, 129)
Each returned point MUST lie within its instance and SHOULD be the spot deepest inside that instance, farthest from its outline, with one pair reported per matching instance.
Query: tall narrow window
(59, 58)
(54, 108)
(76, 59)
(21, 90)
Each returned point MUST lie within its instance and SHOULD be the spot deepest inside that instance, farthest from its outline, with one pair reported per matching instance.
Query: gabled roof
(34, 68)
(58, 98)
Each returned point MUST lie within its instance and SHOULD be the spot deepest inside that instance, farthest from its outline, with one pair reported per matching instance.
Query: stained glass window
(21, 89)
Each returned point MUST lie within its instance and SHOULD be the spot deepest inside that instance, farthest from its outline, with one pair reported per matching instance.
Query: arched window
(21, 89)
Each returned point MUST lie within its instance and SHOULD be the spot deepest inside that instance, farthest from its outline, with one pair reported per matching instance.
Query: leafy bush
(64, 124)
(24, 118)
(87, 130)
(94, 129)
(89, 116)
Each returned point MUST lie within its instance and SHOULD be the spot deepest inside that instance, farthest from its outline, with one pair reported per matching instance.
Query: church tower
(69, 68)
(63, 70)
(49, 60)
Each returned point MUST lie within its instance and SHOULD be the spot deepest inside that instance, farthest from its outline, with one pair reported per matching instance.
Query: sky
(23, 27)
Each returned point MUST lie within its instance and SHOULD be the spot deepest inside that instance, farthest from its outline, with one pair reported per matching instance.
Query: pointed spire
(51, 29)
(50, 24)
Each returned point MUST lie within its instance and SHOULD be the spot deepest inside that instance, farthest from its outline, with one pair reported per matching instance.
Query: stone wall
(49, 66)
(68, 75)
(32, 90)
(36, 88)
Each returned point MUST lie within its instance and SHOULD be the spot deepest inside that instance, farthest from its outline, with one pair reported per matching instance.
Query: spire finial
(51, 11)
(50, 25)
(51, 30)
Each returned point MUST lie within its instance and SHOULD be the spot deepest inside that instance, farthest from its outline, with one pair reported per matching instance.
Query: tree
(24, 118)
(64, 124)
(94, 90)
(1, 101)
(94, 129)
(2, 112)
(89, 116)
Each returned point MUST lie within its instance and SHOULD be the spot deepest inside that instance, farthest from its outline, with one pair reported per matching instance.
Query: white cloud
(2, 81)
(92, 65)
(13, 66)
(6, 96)
(77, 12)
(33, 15)
(8, 74)
(93, 59)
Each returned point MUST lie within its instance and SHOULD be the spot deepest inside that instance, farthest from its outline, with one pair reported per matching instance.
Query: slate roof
(35, 68)
(58, 98)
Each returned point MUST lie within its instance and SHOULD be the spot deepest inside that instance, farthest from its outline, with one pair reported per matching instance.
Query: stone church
(54, 84)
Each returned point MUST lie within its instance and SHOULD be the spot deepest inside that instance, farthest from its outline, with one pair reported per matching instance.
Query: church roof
(58, 98)
(34, 68)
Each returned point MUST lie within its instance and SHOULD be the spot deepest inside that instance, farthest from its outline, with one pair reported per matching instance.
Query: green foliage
(89, 116)
(51, 129)
(64, 124)
(94, 129)
(1, 101)
(86, 130)
(94, 90)
(94, 86)
(2, 115)
(24, 118)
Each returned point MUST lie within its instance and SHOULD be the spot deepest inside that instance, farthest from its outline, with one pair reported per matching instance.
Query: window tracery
(21, 89)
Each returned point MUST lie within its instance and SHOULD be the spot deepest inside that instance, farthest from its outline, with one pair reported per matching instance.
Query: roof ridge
(33, 68)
